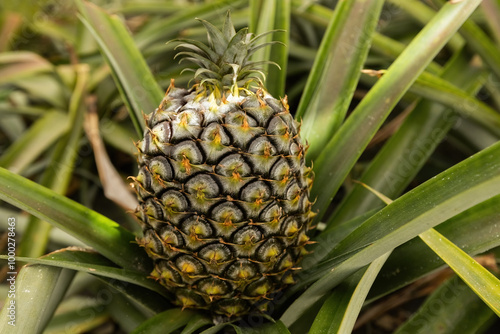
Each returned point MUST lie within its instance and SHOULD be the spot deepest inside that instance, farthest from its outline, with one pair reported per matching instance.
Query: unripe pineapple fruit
(222, 182)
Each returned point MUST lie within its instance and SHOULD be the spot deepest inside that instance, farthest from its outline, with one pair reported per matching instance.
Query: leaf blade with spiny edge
(228, 27)
(481, 281)
(89, 261)
(336, 71)
(39, 290)
(165, 322)
(271, 21)
(38, 138)
(342, 151)
(217, 40)
(426, 120)
(415, 259)
(137, 86)
(456, 305)
(94, 229)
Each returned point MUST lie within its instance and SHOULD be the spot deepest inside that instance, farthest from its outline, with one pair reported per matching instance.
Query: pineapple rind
(224, 195)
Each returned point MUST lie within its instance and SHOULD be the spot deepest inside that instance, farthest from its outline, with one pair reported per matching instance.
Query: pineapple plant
(222, 184)
(398, 106)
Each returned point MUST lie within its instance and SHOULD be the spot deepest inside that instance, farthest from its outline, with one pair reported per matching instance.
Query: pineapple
(222, 182)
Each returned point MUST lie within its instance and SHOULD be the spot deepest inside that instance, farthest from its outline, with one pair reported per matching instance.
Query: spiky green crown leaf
(224, 65)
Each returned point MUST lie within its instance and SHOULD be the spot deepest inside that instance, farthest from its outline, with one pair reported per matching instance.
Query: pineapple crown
(224, 65)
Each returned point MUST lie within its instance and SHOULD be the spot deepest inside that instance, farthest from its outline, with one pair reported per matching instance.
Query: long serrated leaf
(475, 37)
(137, 86)
(404, 154)
(265, 12)
(481, 281)
(452, 308)
(483, 45)
(336, 71)
(321, 15)
(151, 302)
(446, 93)
(197, 322)
(35, 141)
(491, 10)
(415, 259)
(340, 311)
(125, 313)
(58, 173)
(471, 182)
(165, 322)
(268, 16)
(46, 87)
(342, 151)
(276, 76)
(79, 320)
(92, 263)
(442, 91)
(422, 13)
(36, 294)
(96, 230)
(277, 327)
(21, 64)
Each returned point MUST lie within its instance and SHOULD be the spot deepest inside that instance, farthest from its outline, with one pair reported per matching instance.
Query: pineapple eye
(241, 270)
(271, 213)
(277, 127)
(231, 164)
(262, 146)
(227, 213)
(170, 237)
(293, 192)
(291, 226)
(187, 149)
(280, 171)
(285, 263)
(256, 191)
(215, 132)
(248, 235)
(259, 288)
(197, 227)
(296, 149)
(215, 253)
(151, 242)
(269, 251)
(174, 201)
(153, 209)
(162, 132)
(144, 178)
(213, 286)
(164, 272)
(189, 265)
(240, 119)
(146, 144)
(202, 186)
(160, 166)
(188, 298)
(232, 307)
